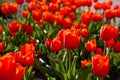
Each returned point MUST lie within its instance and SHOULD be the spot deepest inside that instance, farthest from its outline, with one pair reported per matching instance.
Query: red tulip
(91, 45)
(44, 8)
(27, 54)
(76, 25)
(31, 6)
(86, 18)
(53, 7)
(116, 33)
(14, 26)
(32, 41)
(20, 2)
(105, 31)
(52, 18)
(109, 14)
(84, 62)
(73, 7)
(28, 1)
(29, 30)
(71, 39)
(20, 71)
(52, 1)
(78, 3)
(100, 65)
(36, 14)
(88, 3)
(82, 25)
(117, 47)
(84, 32)
(14, 7)
(9, 69)
(106, 6)
(116, 6)
(1, 29)
(40, 22)
(117, 13)
(66, 23)
(72, 16)
(97, 17)
(47, 16)
(97, 5)
(59, 19)
(95, 0)
(99, 51)
(25, 13)
(65, 10)
(5, 8)
(48, 42)
(1, 47)
(56, 45)
(110, 43)
(61, 34)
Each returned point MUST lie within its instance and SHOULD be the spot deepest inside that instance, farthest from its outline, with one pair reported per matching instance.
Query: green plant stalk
(107, 51)
(104, 49)
(68, 60)
(98, 78)
(69, 56)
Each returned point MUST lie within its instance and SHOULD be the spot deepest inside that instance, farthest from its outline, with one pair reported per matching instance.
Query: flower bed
(59, 40)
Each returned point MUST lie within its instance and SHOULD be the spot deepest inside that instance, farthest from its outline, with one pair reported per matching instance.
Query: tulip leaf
(62, 67)
(43, 67)
(58, 68)
(51, 78)
(83, 73)
(52, 62)
(73, 67)
(29, 74)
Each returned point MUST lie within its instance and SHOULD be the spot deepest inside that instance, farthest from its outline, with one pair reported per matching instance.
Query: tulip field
(59, 40)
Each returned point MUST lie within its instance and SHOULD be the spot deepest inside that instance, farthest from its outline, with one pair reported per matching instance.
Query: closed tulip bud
(97, 5)
(36, 14)
(5, 8)
(109, 14)
(105, 31)
(110, 43)
(14, 7)
(71, 39)
(48, 42)
(32, 41)
(14, 26)
(31, 6)
(56, 45)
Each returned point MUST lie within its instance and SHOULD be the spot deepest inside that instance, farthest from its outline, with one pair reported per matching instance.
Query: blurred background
(1, 1)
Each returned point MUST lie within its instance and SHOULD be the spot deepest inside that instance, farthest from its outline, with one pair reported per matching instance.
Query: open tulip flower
(59, 40)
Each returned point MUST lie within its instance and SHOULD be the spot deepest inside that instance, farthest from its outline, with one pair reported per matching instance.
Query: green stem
(104, 48)
(107, 51)
(68, 60)
(67, 57)
(98, 78)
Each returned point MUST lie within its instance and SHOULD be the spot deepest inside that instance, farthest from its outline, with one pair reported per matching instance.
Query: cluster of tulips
(59, 40)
